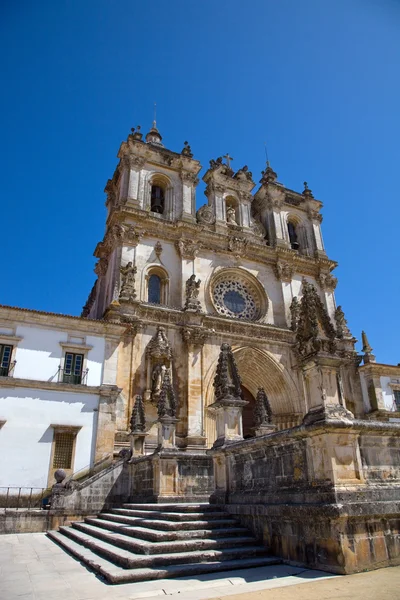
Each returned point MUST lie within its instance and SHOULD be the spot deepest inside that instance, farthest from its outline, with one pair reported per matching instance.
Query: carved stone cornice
(217, 242)
(187, 248)
(284, 271)
(196, 336)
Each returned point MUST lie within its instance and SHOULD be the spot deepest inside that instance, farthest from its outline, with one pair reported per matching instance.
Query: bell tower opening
(248, 413)
(157, 199)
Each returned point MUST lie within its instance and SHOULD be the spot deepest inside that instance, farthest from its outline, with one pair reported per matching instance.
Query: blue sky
(318, 80)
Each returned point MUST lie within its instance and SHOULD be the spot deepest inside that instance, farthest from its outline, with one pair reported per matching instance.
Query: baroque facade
(248, 268)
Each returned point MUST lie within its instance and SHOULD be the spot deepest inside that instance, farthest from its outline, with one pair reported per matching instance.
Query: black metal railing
(23, 497)
(7, 370)
(74, 378)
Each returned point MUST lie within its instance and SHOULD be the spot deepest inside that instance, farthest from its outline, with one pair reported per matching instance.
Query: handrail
(14, 497)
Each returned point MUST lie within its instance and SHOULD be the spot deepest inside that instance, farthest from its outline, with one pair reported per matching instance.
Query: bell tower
(150, 186)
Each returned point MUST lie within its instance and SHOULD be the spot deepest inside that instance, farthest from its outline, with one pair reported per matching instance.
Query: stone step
(152, 535)
(149, 548)
(170, 525)
(172, 516)
(116, 574)
(185, 507)
(129, 560)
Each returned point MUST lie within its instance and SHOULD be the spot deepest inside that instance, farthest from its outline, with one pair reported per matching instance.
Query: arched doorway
(248, 413)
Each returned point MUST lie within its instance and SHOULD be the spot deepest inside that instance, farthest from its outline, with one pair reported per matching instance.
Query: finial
(155, 116)
(366, 349)
(266, 155)
(136, 133)
(187, 151)
(228, 160)
(307, 191)
(366, 345)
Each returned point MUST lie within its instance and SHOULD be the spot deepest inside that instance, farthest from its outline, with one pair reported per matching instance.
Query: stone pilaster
(105, 433)
(195, 338)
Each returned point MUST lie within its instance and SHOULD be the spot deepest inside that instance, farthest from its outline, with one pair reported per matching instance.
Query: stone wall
(326, 496)
(108, 488)
(172, 476)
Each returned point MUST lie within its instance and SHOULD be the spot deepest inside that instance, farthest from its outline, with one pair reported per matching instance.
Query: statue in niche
(128, 282)
(192, 293)
(231, 215)
(157, 378)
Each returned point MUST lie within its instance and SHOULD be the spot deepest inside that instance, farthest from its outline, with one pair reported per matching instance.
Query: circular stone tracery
(232, 298)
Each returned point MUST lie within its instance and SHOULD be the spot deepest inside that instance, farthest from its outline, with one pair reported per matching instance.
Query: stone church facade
(220, 369)
(234, 271)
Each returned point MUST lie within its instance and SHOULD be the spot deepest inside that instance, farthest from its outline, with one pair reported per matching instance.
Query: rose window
(233, 299)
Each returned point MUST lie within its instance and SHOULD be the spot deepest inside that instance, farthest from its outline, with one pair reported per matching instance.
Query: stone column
(105, 434)
(195, 337)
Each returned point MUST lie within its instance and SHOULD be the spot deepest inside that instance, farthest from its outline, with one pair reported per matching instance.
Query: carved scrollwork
(101, 267)
(187, 248)
(237, 245)
(284, 271)
(196, 336)
(205, 215)
(189, 178)
(327, 281)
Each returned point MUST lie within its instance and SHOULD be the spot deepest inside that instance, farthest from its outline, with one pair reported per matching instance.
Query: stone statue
(341, 323)
(231, 215)
(295, 313)
(192, 293)
(128, 282)
(157, 378)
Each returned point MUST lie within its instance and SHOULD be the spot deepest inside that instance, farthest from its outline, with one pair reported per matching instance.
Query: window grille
(5, 359)
(397, 399)
(63, 449)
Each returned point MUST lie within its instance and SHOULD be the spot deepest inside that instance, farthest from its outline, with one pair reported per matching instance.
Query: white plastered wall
(26, 437)
(39, 354)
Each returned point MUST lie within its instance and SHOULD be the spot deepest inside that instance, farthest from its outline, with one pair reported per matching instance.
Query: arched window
(154, 289)
(294, 242)
(157, 199)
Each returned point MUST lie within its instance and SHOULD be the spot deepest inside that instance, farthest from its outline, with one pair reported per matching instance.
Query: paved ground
(32, 567)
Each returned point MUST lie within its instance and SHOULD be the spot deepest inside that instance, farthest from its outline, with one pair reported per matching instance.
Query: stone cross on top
(228, 159)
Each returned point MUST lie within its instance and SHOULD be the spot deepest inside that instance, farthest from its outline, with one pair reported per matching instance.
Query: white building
(57, 377)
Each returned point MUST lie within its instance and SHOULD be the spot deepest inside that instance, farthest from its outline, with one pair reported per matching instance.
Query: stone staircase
(140, 542)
